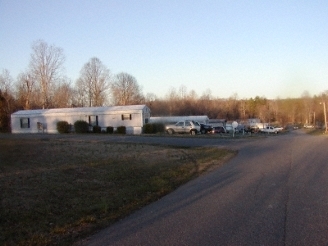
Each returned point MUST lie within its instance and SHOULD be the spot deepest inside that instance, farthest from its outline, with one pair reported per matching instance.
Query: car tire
(192, 132)
(170, 131)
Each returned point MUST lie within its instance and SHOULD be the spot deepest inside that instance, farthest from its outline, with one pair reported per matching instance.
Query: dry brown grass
(55, 191)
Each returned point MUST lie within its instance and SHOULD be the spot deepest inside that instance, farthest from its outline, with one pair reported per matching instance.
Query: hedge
(153, 128)
(63, 127)
(110, 129)
(121, 130)
(96, 129)
(81, 126)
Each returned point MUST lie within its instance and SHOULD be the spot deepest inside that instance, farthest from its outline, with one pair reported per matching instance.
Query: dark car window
(195, 123)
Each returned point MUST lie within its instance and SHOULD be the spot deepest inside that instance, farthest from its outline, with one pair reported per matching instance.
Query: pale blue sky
(270, 48)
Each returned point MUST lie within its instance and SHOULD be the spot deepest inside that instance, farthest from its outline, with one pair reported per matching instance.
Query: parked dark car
(218, 129)
(205, 128)
(249, 129)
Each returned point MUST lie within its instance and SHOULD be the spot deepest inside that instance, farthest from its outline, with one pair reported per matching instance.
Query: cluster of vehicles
(194, 127)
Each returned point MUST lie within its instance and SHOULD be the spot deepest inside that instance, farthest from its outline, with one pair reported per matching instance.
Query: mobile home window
(93, 120)
(25, 122)
(126, 117)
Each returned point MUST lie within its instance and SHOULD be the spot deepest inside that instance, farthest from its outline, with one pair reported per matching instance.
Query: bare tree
(93, 83)
(205, 102)
(46, 67)
(6, 100)
(80, 94)
(63, 95)
(192, 95)
(172, 99)
(242, 109)
(125, 90)
(150, 97)
(233, 107)
(6, 82)
(183, 92)
(26, 90)
(308, 113)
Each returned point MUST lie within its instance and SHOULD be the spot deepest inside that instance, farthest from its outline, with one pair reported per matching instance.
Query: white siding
(107, 116)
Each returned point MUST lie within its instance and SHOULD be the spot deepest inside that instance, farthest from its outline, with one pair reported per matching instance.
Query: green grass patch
(56, 192)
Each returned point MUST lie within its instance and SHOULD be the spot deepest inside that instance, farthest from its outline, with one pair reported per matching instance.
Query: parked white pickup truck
(271, 129)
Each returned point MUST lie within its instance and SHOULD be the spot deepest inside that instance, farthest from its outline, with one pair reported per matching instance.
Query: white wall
(114, 119)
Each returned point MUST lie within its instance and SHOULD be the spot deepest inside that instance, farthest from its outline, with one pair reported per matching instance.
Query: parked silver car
(187, 126)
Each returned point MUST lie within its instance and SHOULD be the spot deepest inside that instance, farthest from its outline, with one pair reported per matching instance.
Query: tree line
(293, 111)
(44, 85)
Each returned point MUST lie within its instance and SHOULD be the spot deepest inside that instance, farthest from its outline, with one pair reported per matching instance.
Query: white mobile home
(203, 119)
(218, 122)
(133, 117)
(257, 123)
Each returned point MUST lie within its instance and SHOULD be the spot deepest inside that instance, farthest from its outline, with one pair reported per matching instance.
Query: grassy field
(56, 191)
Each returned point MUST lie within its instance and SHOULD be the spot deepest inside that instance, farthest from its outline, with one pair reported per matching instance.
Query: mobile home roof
(200, 118)
(84, 110)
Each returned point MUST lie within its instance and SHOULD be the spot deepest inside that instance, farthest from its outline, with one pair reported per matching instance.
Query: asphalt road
(274, 192)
